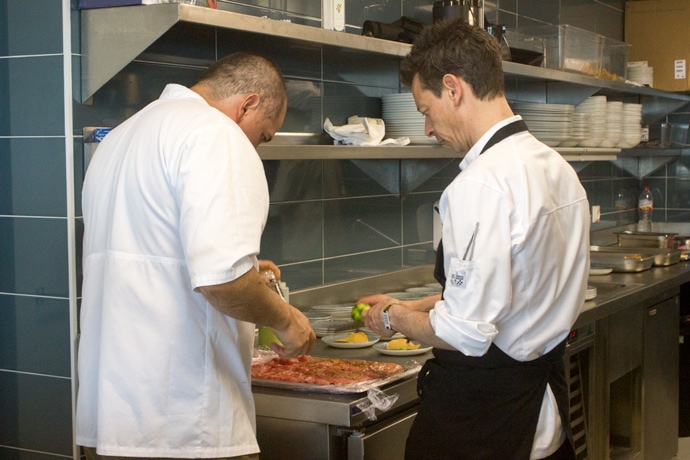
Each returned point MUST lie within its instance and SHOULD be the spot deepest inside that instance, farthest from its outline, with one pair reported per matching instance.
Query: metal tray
(662, 256)
(360, 387)
(646, 239)
(621, 262)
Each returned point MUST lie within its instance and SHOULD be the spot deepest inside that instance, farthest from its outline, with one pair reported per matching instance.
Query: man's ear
(452, 85)
(249, 103)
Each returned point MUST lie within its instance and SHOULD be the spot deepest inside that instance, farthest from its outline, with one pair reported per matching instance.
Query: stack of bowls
(632, 125)
(614, 124)
(550, 123)
(401, 117)
(595, 108)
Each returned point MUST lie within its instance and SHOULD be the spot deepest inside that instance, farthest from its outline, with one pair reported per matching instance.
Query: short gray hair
(245, 73)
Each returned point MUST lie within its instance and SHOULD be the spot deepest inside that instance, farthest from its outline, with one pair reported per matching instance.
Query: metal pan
(621, 262)
(646, 239)
(662, 256)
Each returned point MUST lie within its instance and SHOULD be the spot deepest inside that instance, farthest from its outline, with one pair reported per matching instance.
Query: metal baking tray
(412, 369)
(646, 239)
(621, 262)
(662, 256)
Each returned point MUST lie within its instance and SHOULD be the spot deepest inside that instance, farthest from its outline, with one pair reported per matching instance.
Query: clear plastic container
(523, 49)
(614, 59)
(570, 48)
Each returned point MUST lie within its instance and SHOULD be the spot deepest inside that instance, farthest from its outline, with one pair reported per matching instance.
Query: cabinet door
(660, 393)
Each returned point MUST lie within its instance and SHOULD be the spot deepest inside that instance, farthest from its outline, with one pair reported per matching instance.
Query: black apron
(484, 407)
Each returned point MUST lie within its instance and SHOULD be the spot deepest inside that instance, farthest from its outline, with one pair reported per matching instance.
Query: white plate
(331, 341)
(600, 271)
(381, 348)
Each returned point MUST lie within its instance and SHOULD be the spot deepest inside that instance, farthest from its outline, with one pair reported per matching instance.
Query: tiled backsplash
(330, 220)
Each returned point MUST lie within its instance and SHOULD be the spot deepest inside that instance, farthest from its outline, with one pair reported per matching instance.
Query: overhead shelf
(111, 38)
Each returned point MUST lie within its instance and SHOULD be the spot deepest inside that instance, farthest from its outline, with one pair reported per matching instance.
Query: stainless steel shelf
(347, 152)
(112, 37)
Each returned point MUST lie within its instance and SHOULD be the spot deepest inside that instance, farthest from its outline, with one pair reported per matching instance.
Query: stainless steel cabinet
(660, 392)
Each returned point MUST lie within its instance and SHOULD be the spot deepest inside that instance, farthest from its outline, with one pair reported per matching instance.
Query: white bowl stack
(402, 118)
(632, 125)
(614, 124)
(595, 108)
(550, 123)
(641, 73)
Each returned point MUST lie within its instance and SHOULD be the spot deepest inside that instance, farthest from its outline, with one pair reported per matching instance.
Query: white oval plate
(331, 341)
(600, 271)
(381, 348)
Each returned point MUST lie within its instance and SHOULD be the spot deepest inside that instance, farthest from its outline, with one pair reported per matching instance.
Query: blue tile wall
(35, 413)
(34, 335)
(26, 162)
(35, 367)
(330, 220)
(33, 88)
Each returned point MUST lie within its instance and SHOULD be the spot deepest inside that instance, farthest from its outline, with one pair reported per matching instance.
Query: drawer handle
(651, 311)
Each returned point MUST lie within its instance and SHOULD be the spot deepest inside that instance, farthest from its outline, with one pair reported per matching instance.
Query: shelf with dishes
(113, 37)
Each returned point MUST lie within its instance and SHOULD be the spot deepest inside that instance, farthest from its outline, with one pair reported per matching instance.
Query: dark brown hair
(245, 73)
(458, 48)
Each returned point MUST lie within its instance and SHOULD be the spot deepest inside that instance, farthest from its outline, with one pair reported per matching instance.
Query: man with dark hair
(175, 201)
(513, 260)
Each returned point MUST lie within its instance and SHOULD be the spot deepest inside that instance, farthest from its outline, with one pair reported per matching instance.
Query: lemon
(354, 337)
(357, 311)
(402, 344)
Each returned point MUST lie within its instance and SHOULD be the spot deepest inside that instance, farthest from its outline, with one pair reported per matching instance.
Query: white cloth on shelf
(362, 131)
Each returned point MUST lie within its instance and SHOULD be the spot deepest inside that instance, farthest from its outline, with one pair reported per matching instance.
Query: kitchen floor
(683, 449)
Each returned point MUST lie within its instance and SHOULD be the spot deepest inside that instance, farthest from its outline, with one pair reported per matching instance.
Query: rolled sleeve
(473, 338)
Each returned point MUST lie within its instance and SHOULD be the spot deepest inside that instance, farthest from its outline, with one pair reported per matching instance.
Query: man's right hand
(298, 338)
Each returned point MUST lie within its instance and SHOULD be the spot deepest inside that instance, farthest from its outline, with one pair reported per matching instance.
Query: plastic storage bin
(523, 49)
(572, 49)
(614, 59)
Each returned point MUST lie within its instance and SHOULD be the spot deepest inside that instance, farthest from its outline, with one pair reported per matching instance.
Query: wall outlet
(596, 213)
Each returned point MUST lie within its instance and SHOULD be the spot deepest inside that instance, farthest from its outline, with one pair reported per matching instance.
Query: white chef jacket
(174, 198)
(522, 284)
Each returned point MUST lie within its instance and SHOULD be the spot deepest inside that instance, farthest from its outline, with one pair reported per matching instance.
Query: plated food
(382, 348)
(324, 371)
(351, 340)
(402, 344)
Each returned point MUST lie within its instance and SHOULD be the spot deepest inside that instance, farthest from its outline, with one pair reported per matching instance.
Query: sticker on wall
(679, 69)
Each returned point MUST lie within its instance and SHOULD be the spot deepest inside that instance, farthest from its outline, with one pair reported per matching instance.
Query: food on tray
(357, 311)
(354, 337)
(323, 371)
(402, 344)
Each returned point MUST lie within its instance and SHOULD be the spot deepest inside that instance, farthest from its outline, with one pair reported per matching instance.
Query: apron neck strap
(508, 130)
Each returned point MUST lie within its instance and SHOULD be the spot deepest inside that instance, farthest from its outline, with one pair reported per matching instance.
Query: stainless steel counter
(336, 409)
(333, 424)
(616, 291)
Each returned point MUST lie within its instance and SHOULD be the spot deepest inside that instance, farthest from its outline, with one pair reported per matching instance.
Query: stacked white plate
(632, 125)
(641, 74)
(401, 117)
(580, 130)
(595, 108)
(550, 123)
(614, 124)
(337, 311)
